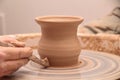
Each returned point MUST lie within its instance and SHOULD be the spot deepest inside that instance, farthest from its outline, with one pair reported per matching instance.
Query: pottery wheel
(93, 66)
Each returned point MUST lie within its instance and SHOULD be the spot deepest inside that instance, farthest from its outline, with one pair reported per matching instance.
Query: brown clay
(59, 42)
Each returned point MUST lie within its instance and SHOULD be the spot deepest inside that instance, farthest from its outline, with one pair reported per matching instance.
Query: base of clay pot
(63, 62)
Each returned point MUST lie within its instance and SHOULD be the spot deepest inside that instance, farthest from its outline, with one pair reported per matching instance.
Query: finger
(18, 44)
(11, 66)
(16, 53)
(7, 39)
(13, 41)
(6, 73)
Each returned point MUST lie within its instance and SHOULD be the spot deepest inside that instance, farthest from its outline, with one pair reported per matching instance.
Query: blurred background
(17, 16)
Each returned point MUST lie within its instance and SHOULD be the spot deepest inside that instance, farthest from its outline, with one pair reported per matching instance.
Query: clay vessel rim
(59, 18)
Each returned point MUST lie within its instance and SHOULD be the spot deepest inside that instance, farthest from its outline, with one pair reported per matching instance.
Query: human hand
(12, 58)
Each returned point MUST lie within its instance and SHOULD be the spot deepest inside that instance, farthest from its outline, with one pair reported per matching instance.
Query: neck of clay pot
(59, 31)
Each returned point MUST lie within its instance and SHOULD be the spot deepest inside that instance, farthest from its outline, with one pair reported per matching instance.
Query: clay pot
(59, 41)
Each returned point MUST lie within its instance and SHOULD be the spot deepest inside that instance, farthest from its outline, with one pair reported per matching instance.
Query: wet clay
(59, 41)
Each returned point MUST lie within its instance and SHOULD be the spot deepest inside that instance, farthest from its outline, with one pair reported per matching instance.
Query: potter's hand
(12, 58)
